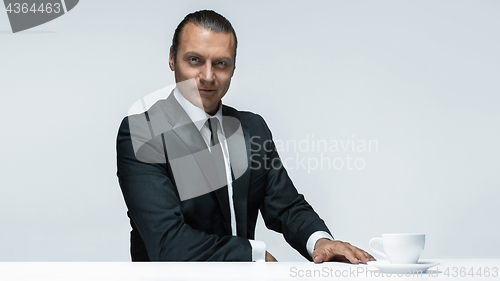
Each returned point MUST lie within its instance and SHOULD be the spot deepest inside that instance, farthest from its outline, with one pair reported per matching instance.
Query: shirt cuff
(314, 238)
(258, 250)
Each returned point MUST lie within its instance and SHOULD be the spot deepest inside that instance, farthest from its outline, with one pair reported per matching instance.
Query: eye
(193, 60)
(221, 64)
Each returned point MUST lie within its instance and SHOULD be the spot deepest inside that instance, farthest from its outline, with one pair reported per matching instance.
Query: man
(184, 206)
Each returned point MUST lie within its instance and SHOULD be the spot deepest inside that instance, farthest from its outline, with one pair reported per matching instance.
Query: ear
(171, 60)
(234, 68)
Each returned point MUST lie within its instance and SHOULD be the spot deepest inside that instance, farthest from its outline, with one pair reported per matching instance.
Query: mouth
(206, 91)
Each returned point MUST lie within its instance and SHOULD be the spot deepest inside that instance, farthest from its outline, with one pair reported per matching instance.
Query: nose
(207, 73)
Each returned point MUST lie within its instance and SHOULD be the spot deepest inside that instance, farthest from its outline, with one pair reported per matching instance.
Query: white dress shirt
(199, 118)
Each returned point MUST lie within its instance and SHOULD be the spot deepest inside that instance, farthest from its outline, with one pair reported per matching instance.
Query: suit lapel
(184, 128)
(241, 184)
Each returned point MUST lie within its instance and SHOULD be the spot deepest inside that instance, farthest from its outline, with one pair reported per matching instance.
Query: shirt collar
(196, 114)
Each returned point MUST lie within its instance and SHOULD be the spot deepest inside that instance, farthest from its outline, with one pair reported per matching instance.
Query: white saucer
(388, 267)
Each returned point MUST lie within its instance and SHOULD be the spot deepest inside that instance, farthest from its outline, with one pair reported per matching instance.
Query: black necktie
(214, 139)
(216, 150)
(213, 123)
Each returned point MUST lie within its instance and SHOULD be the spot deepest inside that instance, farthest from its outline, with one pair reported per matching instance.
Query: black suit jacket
(164, 228)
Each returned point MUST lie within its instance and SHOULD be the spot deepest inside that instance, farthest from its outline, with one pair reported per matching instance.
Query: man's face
(208, 58)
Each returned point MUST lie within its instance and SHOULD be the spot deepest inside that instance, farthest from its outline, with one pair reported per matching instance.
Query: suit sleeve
(285, 210)
(154, 208)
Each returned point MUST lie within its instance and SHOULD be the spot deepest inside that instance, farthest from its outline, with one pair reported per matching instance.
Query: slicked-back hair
(207, 19)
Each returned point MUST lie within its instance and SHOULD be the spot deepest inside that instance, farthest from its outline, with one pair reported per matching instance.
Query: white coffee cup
(400, 248)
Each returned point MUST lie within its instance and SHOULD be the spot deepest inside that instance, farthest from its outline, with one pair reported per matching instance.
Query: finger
(350, 255)
(270, 257)
(318, 257)
(320, 254)
(367, 255)
(359, 254)
(370, 257)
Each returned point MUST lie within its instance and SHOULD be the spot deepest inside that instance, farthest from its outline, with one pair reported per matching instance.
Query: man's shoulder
(163, 108)
(244, 116)
(253, 122)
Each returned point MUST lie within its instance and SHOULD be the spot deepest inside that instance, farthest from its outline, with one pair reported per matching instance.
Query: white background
(419, 77)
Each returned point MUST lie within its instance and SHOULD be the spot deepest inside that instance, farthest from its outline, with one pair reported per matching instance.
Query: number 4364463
(471, 272)
(35, 8)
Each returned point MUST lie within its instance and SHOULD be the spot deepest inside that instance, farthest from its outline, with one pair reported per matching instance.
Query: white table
(124, 271)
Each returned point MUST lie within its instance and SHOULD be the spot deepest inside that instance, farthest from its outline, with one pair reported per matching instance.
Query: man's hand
(328, 250)
(270, 258)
